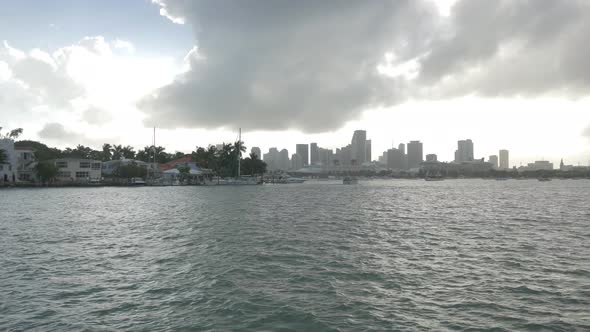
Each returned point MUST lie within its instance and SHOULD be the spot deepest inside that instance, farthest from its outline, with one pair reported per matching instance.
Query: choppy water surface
(382, 255)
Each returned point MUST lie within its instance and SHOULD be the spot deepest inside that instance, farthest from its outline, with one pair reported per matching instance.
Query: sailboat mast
(239, 149)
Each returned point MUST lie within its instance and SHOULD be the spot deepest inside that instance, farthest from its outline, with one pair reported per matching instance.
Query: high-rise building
(256, 150)
(314, 154)
(395, 159)
(431, 157)
(359, 146)
(464, 151)
(302, 150)
(368, 156)
(415, 155)
(283, 161)
(402, 148)
(504, 159)
(296, 162)
(493, 159)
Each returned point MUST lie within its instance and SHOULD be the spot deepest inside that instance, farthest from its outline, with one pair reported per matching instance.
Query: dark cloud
(311, 65)
(511, 47)
(287, 64)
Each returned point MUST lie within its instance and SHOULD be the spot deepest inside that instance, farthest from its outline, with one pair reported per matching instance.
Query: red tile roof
(172, 163)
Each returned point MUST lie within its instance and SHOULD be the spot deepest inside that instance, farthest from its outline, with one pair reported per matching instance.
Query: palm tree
(106, 152)
(117, 151)
(128, 152)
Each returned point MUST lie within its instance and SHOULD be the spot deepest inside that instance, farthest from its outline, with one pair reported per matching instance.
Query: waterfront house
(8, 174)
(74, 170)
(25, 163)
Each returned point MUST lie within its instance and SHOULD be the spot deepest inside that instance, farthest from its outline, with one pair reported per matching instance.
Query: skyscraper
(314, 154)
(415, 154)
(464, 151)
(302, 150)
(493, 159)
(359, 146)
(368, 156)
(395, 159)
(504, 159)
(256, 150)
(296, 162)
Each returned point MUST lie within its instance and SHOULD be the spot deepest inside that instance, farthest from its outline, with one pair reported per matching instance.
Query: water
(382, 255)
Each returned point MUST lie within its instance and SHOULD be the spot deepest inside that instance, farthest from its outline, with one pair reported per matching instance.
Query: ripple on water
(462, 255)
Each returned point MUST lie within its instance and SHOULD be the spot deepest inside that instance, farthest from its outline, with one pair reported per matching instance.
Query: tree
(130, 171)
(13, 134)
(106, 152)
(128, 152)
(46, 171)
(117, 152)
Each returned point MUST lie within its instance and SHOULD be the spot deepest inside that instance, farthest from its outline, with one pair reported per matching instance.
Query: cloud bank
(313, 65)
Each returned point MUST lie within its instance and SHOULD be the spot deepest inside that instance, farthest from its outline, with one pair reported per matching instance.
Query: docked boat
(239, 180)
(137, 182)
(350, 180)
(544, 179)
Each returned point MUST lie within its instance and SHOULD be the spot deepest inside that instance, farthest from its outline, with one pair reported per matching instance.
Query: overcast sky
(510, 74)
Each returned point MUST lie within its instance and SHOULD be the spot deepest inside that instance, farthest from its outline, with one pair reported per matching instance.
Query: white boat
(137, 182)
(350, 180)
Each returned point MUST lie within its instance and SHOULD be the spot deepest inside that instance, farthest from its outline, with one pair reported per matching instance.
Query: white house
(79, 170)
(25, 163)
(8, 168)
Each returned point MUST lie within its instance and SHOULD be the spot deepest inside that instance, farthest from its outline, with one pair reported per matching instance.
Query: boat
(434, 177)
(350, 180)
(239, 180)
(136, 182)
(544, 179)
(502, 178)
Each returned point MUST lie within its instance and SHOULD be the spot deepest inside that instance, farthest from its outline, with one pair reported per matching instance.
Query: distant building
(504, 160)
(302, 150)
(359, 146)
(314, 154)
(539, 165)
(8, 170)
(368, 155)
(431, 157)
(256, 150)
(79, 170)
(415, 154)
(326, 157)
(395, 159)
(566, 168)
(296, 162)
(493, 159)
(464, 151)
(283, 162)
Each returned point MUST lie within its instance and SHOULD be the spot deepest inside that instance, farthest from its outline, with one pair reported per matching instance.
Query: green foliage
(253, 165)
(42, 151)
(46, 171)
(130, 171)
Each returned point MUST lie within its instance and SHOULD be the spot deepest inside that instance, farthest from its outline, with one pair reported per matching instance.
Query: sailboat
(240, 180)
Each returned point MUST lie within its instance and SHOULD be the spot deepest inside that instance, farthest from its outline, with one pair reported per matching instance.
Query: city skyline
(67, 78)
